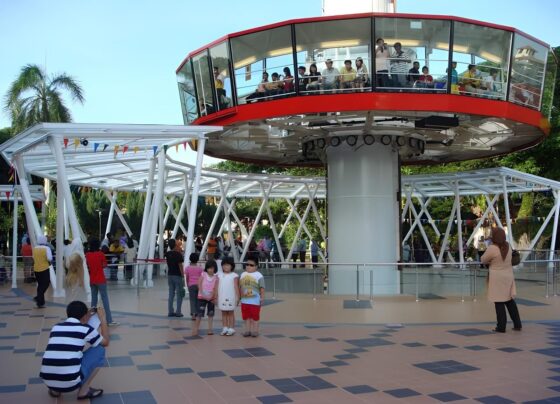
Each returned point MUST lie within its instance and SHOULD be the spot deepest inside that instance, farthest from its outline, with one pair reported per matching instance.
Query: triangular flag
(177, 147)
(105, 146)
(76, 143)
(185, 145)
(116, 150)
(135, 148)
(165, 147)
(154, 148)
(125, 149)
(65, 143)
(95, 146)
(8, 194)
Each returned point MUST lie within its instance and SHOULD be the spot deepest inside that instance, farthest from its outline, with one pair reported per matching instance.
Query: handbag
(182, 291)
(515, 258)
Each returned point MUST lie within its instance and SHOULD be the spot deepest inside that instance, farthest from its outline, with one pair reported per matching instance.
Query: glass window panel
(336, 41)
(203, 79)
(185, 80)
(412, 54)
(527, 71)
(263, 64)
(549, 84)
(486, 51)
(222, 77)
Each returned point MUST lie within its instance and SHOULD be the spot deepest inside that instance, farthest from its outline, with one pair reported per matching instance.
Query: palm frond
(31, 77)
(58, 112)
(69, 84)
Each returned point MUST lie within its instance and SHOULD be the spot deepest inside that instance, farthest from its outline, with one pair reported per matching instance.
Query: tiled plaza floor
(153, 359)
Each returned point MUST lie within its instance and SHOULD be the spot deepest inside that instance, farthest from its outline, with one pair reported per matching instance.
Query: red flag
(124, 150)
(65, 143)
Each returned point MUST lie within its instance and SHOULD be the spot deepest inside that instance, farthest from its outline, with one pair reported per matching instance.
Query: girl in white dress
(228, 295)
(75, 289)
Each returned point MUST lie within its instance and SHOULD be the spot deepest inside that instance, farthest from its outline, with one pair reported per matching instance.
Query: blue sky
(125, 52)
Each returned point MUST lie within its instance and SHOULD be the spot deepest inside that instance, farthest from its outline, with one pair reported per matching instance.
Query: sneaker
(179, 315)
(113, 324)
(224, 331)
(230, 332)
(170, 314)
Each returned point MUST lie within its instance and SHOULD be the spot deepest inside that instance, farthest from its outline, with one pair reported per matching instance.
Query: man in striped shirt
(66, 367)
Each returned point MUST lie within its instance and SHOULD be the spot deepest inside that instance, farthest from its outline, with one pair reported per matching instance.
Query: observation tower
(364, 94)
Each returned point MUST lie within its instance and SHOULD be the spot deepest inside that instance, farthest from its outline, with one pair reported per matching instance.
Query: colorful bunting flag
(125, 149)
(135, 149)
(116, 150)
(65, 143)
(105, 146)
(154, 148)
(95, 146)
(76, 143)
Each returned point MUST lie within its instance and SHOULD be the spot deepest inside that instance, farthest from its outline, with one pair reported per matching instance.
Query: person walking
(42, 258)
(96, 261)
(501, 283)
(27, 254)
(174, 260)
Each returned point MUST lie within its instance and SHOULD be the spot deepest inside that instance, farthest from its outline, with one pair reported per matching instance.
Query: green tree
(37, 97)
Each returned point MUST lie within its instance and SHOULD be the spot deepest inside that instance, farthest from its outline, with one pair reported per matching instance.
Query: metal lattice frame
(153, 168)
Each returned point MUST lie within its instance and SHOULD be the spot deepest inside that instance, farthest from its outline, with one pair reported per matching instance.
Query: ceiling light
(335, 141)
(386, 140)
(351, 140)
(321, 143)
(401, 141)
(340, 44)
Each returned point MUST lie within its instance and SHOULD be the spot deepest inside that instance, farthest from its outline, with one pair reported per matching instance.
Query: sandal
(92, 393)
(54, 393)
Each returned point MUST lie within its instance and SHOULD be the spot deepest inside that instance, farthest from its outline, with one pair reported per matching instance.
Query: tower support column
(363, 210)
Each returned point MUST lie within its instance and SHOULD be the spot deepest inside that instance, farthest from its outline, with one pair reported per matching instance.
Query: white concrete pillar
(14, 241)
(363, 207)
(189, 248)
(33, 226)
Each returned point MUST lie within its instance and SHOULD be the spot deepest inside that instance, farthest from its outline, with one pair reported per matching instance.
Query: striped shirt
(62, 360)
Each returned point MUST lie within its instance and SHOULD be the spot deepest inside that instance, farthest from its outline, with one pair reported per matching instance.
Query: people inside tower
(221, 95)
(347, 75)
(400, 61)
(491, 83)
(261, 88)
(288, 81)
(362, 76)
(274, 87)
(303, 80)
(413, 74)
(330, 76)
(471, 80)
(314, 78)
(382, 63)
(454, 78)
(425, 80)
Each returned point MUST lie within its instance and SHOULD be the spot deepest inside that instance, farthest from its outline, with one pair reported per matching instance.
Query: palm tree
(35, 97)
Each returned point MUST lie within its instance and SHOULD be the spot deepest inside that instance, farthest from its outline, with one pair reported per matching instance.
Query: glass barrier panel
(185, 81)
(221, 72)
(203, 83)
(549, 84)
(411, 54)
(333, 56)
(481, 60)
(527, 72)
(263, 65)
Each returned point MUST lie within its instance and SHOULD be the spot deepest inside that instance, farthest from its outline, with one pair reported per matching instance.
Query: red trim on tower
(312, 104)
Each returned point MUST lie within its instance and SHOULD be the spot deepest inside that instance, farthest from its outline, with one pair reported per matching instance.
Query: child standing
(251, 285)
(228, 295)
(192, 275)
(207, 293)
(75, 279)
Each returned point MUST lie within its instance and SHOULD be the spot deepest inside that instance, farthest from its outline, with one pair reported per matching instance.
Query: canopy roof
(118, 157)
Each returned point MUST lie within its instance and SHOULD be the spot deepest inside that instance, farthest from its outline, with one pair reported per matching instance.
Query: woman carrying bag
(501, 283)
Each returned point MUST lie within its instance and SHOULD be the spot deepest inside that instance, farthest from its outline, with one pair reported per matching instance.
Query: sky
(124, 53)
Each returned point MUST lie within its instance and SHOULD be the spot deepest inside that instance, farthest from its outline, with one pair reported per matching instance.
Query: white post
(257, 220)
(33, 226)
(155, 214)
(181, 213)
(555, 224)
(56, 149)
(61, 220)
(145, 231)
(110, 219)
(118, 211)
(194, 198)
(14, 241)
(510, 238)
(445, 241)
(459, 224)
(66, 224)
